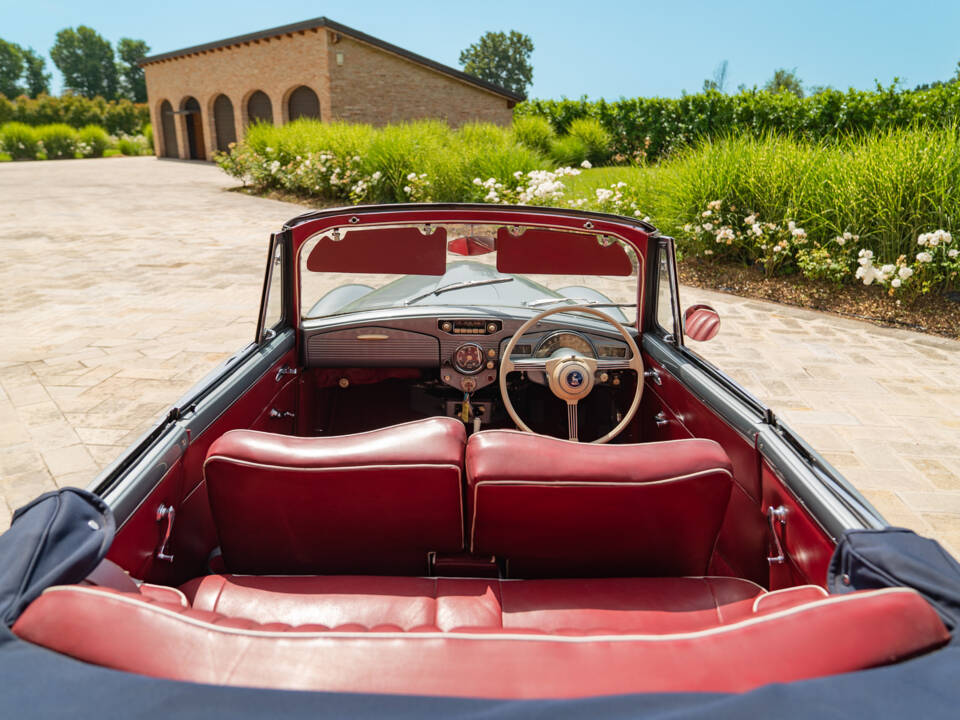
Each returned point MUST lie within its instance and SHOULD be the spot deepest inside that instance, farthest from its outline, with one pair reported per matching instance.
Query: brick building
(203, 97)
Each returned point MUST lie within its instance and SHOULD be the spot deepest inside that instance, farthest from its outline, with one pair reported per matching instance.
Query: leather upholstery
(558, 508)
(374, 502)
(826, 636)
(655, 605)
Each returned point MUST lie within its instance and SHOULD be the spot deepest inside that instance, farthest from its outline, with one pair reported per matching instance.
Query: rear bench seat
(484, 638)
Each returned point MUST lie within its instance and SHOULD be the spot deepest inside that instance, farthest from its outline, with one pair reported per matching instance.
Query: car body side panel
(171, 472)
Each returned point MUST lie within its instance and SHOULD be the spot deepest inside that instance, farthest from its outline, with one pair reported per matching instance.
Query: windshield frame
(632, 233)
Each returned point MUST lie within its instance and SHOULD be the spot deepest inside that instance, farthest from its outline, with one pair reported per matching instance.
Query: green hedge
(649, 128)
(116, 116)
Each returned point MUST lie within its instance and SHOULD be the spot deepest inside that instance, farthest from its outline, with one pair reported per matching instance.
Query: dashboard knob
(447, 326)
(491, 328)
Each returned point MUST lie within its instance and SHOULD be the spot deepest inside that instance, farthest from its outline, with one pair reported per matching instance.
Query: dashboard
(465, 349)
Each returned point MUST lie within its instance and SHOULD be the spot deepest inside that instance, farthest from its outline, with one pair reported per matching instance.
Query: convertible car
(470, 465)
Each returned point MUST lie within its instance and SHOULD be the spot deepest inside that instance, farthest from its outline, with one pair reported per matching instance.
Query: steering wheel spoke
(572, 420)
(607, 365)
(527, 365)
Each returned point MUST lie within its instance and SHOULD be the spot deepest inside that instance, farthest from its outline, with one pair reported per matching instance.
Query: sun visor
(556, 252)
(395, 251)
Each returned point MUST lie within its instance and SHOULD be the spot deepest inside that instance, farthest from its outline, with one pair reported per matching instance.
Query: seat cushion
(374, 502)
(557, 508)
(648, 605)
(821, 637)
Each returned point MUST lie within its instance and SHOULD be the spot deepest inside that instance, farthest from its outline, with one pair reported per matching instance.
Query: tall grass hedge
(880, 207)
(328, 160)
(115, 116)
(651, 128)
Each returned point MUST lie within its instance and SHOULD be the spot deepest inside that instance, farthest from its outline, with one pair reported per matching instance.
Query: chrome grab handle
(777, 515)
(165, 512)
(285, 370)
(653, 375)
(661, 419)
(274, 413)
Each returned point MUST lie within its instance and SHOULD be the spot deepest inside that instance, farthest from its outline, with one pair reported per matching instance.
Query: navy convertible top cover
(61, 536)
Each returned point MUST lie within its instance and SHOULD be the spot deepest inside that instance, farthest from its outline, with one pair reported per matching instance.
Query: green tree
(86, 60)
(131, 52)
(502, 59)
(784, 80)
(37, 81)
(11, 68)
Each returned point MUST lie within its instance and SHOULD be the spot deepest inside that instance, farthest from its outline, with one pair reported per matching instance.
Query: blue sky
(600, 48)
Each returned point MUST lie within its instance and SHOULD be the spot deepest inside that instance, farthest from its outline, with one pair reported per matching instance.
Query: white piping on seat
(168, 588)
(498, 637)
(756, 603)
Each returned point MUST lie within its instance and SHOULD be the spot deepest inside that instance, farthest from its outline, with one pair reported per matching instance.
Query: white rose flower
(905, 272)
(750, 220)
(586, 165)
(707, 213)
(757, 229)
(708, 226)
(924, 257)
(895, 282)
(888, 269)
(406, 189)
(953, 253)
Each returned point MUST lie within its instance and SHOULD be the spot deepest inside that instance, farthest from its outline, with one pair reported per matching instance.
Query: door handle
(168, 514)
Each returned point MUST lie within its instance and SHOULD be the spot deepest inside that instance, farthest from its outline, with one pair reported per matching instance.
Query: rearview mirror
(701, 323)
(471, 245)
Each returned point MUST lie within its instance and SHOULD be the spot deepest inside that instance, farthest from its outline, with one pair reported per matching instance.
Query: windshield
(482, 266)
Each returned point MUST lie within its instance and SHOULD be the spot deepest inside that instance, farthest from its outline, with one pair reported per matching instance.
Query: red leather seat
(563, 509)
(783, 637)
(654, 605)
(374, 502)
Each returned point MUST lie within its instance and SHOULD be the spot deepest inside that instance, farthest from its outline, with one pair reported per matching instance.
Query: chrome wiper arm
(577, 301)
(458, 286)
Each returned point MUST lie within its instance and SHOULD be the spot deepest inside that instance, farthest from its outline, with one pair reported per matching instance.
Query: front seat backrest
(373, 502)
(564, 509)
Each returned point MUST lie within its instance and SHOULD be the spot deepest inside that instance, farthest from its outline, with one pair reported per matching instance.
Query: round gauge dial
(468, 358)
(567, 340)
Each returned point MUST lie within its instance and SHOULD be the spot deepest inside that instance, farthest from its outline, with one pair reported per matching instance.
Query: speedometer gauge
(567, 341)
(468, 358)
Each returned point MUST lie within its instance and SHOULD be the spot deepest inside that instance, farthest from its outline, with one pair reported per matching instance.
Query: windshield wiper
(458, 286)
(577, 301)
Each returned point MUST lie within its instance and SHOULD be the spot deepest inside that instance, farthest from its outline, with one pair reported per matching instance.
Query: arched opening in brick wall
(259, 108)
(223, 122)
(303, 102)
(168, 130)
(193, 122)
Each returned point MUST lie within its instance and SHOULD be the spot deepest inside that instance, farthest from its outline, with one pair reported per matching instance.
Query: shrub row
(650, 128)
(862, 209)
(58, 141)
(116, 116)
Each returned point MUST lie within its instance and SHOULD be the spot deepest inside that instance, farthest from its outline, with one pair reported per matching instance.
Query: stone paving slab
(123, 281)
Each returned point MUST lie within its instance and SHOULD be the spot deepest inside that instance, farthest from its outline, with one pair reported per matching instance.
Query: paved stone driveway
(122, 281)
